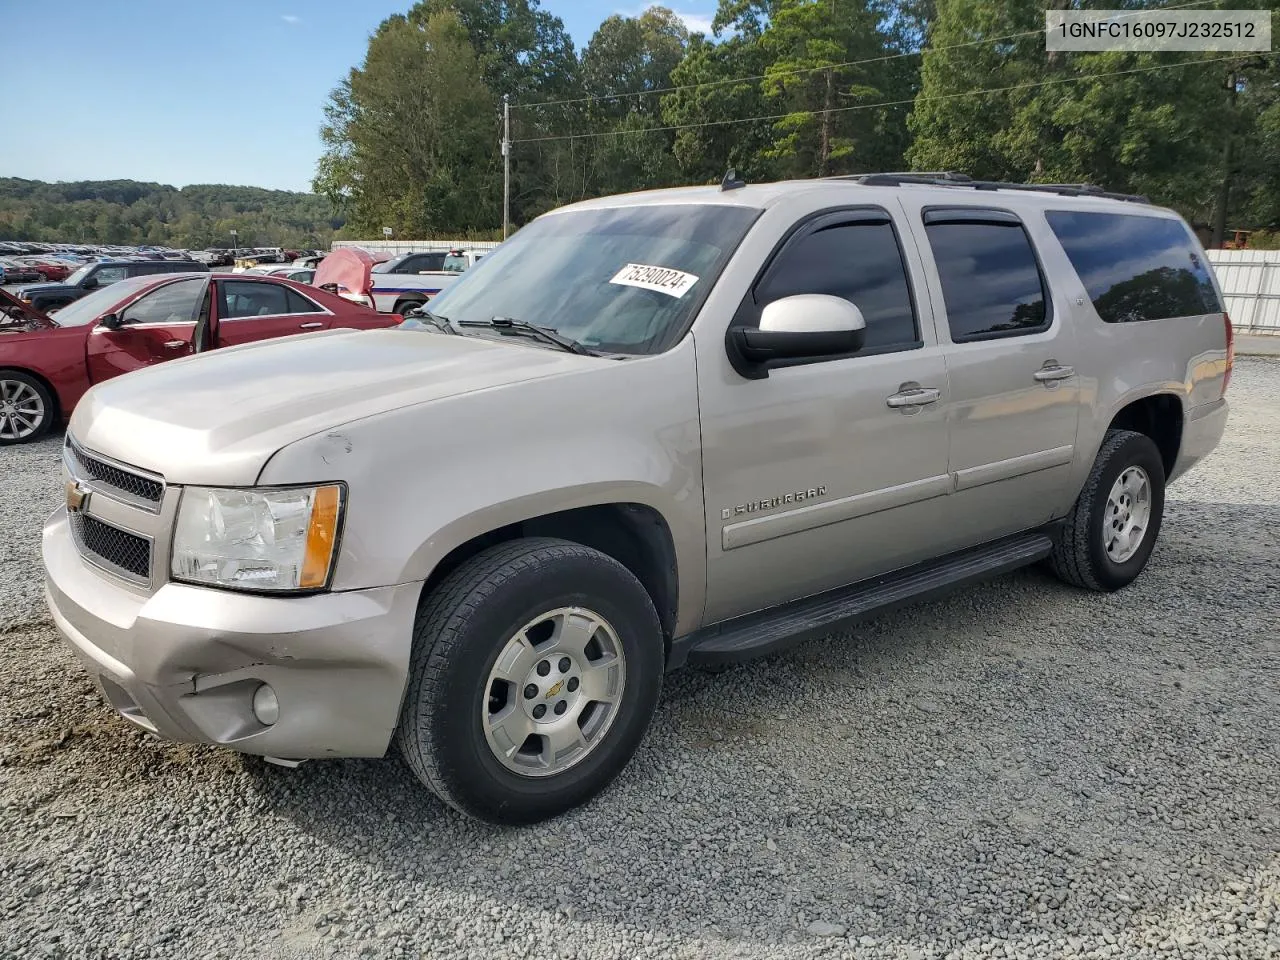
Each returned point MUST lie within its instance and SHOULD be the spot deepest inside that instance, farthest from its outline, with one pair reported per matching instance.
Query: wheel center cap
(551, 688)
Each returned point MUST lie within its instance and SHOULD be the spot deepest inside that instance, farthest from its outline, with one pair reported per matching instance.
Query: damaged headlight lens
(267, 539)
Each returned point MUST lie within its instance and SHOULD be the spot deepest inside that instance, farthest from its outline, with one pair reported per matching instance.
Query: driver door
(160, 325)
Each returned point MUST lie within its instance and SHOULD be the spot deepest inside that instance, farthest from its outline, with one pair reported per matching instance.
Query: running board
(769, 631)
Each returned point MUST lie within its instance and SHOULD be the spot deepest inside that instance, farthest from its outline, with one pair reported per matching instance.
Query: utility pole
(506, 164)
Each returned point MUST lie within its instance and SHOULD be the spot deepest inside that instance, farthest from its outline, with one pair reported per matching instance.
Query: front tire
(535, 671)
(26, 408)
(1111, 530)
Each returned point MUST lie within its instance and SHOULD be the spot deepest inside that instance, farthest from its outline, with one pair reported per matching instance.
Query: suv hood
(30, 288)
(218, 417)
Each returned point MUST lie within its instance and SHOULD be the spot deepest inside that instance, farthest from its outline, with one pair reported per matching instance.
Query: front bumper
(1201, 432)
(185, 662)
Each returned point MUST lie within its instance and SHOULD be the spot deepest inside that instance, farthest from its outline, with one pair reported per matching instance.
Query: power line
(831, 66)
(887, 103)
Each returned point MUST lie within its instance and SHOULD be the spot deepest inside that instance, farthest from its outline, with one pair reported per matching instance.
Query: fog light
(265, 705)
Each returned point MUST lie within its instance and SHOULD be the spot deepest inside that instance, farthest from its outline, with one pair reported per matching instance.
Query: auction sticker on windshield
(674, 283)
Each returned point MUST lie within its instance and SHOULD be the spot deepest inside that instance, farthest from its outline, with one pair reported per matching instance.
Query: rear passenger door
(1010, 356)
(249, 310)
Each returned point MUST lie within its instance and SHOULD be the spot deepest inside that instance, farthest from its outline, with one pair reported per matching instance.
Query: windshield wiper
(511, 327)
(443, 324)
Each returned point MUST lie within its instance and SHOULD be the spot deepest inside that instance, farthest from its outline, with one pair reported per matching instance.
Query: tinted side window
(249, 299)
(106, 275)
(300, 304)
(859, 261)
(425, 261)
(991, 283)
(1136, 268)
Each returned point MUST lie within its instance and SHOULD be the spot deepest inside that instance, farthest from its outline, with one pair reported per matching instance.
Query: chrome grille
(134, 484)
(118, 551)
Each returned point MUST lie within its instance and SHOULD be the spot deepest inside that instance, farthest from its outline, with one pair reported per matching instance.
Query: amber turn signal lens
(322, 534)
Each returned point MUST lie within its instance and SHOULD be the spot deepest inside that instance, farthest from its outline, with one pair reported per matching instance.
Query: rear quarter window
(1134, 267)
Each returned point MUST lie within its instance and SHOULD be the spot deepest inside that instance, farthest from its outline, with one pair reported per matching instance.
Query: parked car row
(48, 258)
(48, 361)
(49, 297)
(14, 270)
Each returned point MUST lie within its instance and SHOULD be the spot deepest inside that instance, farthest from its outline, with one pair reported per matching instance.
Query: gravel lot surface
(1023, 770)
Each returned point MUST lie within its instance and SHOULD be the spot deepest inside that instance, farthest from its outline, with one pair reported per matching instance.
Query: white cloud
(291, 19)
(696, 22)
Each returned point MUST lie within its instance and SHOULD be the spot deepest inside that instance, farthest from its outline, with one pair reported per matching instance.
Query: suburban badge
(755, 506)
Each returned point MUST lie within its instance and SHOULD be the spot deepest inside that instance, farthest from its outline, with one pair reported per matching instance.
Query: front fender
(424, 480)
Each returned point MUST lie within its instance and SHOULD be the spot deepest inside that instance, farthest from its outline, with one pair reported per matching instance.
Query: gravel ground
(1024, 770)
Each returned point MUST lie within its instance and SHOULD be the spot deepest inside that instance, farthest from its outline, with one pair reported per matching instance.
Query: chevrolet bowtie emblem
(555, 689)
(77, 496)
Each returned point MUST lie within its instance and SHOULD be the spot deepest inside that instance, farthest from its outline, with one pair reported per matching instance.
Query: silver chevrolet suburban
(682, 427)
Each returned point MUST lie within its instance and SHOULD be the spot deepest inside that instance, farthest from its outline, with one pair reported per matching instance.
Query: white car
(410, 280)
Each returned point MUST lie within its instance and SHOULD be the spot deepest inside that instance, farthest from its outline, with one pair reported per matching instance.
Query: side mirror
(111, 321)
(88, 283)
(807, 326)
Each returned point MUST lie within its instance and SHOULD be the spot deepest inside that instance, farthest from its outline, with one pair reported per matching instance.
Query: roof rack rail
(955, 179)
(906, 176)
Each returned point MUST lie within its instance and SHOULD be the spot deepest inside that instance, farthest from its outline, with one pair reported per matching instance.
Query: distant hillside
(129, 212)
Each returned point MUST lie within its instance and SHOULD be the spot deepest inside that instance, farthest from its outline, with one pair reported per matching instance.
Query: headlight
(268, 539)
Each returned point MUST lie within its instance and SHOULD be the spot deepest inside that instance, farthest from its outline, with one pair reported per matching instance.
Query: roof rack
(951, 178)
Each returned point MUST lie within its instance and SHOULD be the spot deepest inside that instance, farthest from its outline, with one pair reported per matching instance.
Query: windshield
(79, 274)
(87, 309)
(618, 280)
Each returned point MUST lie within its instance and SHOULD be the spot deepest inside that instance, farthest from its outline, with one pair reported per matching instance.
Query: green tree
(706, 146)
(809, 45)
(409, 135)
(954, 129)
(817, 68)
(126, 211)
(628, 59)
(1188, 134)
(525, 53)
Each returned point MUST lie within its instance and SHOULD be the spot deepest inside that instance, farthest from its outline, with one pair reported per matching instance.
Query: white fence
(396, 247)
(1250, 281)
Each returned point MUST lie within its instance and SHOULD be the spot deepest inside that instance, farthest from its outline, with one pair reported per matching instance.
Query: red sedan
(46, 365)
(51, 271)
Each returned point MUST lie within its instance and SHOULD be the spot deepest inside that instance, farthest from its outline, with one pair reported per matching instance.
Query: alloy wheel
(22, 411)
(554, 692)
(1128, 514)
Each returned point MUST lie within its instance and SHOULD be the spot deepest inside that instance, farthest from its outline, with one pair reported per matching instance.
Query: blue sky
(177, 91)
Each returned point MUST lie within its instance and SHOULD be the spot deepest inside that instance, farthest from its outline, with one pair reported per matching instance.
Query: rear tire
(402, 307)
(1109, 534)
(579, 639)
(27, 410)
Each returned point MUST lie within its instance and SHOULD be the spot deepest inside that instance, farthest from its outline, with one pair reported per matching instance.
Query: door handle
(1051, 372)
(314, 325)
(915, 397)
(175, 344)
